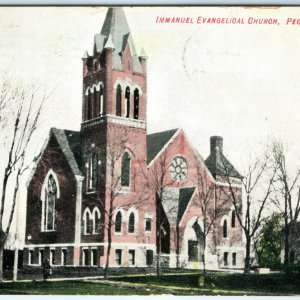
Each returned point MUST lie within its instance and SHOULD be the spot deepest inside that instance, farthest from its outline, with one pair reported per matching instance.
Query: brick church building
(111, 186)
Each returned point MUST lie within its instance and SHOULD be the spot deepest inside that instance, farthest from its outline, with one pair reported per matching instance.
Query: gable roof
(156, 141)
(175, 202)
(219, 165)
(70, 144)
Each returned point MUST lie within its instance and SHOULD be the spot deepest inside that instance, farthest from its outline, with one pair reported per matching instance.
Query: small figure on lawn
(46, 269)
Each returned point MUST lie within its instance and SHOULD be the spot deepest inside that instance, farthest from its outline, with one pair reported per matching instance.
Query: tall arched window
(136, 103)
(119, 101)
(50, 195)
(101, 102)
(125, 172)
(89, 105)
(95, 104)
(233, 219)
(127, 97)
(225, 229)
(131, 223)
(96, 220)
(92, 171)
(118, 222)
(87, 222)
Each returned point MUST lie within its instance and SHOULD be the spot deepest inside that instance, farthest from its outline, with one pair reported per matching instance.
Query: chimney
(216, 141)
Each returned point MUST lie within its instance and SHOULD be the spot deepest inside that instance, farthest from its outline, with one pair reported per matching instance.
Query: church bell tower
(114, 89)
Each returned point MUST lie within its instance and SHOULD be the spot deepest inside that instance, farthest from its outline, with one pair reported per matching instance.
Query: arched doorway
(195, 243)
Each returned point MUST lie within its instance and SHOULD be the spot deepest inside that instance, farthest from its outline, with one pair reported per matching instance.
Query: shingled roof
(219, 165)
(116, 26)
(156, 141)
(70, 144)
(175, 202)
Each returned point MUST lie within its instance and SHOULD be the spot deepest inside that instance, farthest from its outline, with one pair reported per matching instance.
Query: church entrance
(196, 244)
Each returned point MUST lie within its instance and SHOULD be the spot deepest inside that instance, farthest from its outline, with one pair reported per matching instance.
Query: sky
(240, 81)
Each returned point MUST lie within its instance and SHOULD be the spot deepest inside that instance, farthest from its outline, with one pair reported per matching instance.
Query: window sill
(131, 233)
(90, 192)
(124, 190)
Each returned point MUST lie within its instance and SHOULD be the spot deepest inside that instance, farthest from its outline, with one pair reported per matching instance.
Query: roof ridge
(168, 130)
(63, 142)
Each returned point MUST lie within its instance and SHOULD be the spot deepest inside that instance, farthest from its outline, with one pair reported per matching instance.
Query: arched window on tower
(127, 99)
(233, 219)
(136, 103)
(125, 171)
(225, 233)
(49, 200)
(92, 171)
(118, 222)
(101, 101)
(89, 105)
(131, 223)
(119, 101)
(95, 103)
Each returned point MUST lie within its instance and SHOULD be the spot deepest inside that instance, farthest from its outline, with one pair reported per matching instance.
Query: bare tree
(19, 117)
(258, 188)
(287, 198)
(111, 158)
(156, 183)
(210, 207)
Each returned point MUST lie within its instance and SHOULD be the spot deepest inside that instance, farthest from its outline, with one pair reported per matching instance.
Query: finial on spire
(109, 43)
(143, 53)
(85, 54)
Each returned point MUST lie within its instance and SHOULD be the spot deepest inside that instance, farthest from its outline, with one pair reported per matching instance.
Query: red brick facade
(107, 169)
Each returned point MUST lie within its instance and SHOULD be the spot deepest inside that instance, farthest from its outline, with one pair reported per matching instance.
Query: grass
(279, 283)
(188, 283)
(65, 288)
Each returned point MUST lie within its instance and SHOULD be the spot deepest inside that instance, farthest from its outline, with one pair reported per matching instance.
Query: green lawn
(184, 284)
(65, 288)
(223, 282)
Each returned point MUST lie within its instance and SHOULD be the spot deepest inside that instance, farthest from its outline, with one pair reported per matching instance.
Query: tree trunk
(108, 251)
(158, 235)
(177, 248)
(286, 244)
(247, 258)
(204, 265)
(108, 245)
(16, 260)
(1, 263)
(158, 269)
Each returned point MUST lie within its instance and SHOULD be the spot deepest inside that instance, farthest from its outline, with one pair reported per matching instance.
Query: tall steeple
(115, 77)
(116, 26)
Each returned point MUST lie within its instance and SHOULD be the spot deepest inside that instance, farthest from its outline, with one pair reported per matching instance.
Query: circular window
(178, 168)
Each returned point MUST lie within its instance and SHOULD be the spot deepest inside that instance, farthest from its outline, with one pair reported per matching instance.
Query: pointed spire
(109, 43)
(116, 25)
(85, 54)
(143, 53)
